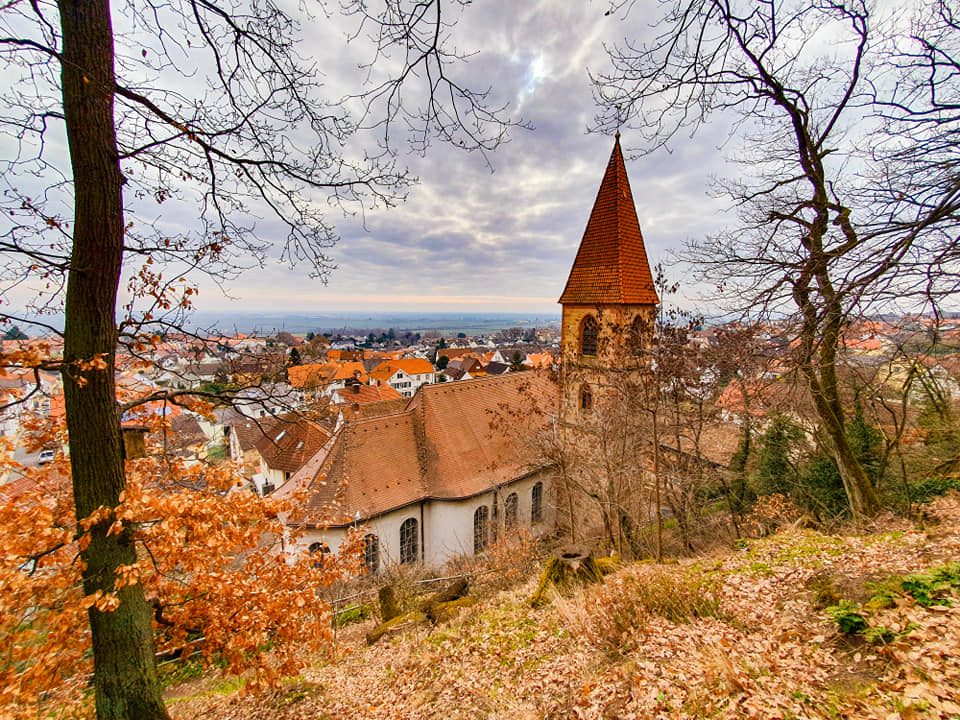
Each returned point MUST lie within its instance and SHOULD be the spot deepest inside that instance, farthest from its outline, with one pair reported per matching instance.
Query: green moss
(848, 617)
(933, 587)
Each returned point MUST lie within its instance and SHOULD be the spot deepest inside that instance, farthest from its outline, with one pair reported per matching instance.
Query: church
(466, 461)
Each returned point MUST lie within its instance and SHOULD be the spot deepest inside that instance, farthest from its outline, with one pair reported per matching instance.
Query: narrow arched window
(586, 397)
(510, 511)
(536, 503)
(409, 541)
(317, 551)
(589, 331)
(638, 331)
(481, 529)
(371, 552)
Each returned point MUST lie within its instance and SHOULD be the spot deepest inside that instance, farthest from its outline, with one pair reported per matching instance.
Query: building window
(536, 503)
(588, 335)
(638, 328)
(510, 511)
(371, 552)
(481, 529)
(586, 397)
(317, 552)
(409, 541)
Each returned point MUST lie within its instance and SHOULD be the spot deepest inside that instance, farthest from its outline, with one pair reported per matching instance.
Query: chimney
(356, 388)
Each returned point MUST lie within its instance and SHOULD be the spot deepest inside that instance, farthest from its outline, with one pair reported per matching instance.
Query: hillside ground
(800, 624)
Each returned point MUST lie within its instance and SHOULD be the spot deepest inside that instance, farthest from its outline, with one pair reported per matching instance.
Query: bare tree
(821, 234)
(210, 110)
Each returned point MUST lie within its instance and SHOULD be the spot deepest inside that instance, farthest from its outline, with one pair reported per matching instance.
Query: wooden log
(439, 607)
(442, 612)
(396, 625)
(454, 591)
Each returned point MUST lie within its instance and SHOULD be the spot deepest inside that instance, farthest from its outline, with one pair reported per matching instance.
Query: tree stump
(573, 566)
(437, 608)
(388, 604)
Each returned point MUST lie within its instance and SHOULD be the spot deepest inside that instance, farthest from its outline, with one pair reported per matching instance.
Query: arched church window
(409, 542)
(317, 551)
(586, 397)
(371, 553)
(481, 529)
(536, 503)
(589, 332)
(510, 506)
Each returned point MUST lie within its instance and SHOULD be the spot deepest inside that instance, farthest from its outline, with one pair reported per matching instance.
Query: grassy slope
(735, 635)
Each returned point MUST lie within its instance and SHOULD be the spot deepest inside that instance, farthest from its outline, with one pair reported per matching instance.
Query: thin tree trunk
(656, 482)
(125, 678)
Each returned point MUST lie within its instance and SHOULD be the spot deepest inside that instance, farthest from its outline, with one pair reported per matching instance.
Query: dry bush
(610, 615)
(509, 560)
(770, 513)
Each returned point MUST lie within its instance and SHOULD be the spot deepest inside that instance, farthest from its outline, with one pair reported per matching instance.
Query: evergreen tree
(15, 333)
(776, 472)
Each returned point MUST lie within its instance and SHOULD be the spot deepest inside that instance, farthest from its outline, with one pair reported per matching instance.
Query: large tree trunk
(822, 382)
(125, 677)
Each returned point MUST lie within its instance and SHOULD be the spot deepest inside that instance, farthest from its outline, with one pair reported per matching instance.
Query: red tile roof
(411, 366)
(454, 440)
(291, 441)
(366, 394)
(311, 374)
(611, 265)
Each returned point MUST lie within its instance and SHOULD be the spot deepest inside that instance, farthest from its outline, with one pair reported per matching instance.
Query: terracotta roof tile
(454, 440)
(364, 394)
(372, 468)
(249, 431)
(290, 442)
(311, 374)
(375, 409)
(611, 264)
(411, 366)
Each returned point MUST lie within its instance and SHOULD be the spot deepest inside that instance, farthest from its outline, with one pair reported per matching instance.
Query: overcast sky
(472, 239)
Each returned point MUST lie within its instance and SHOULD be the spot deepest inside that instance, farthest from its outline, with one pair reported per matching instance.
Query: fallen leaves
(767, 652)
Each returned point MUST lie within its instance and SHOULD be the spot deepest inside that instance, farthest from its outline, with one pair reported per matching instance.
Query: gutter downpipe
(423, 541)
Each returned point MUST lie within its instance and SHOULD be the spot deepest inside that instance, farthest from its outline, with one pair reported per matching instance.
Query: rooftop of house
(290, 442)
(453, 440)
(611, 266)
(364, 394)
(411, 366)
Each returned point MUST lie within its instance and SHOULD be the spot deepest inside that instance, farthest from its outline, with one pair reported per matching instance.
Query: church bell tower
(609, 300)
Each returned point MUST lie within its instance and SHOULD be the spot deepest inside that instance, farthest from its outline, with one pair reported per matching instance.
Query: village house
(283, 447)
(404, 376)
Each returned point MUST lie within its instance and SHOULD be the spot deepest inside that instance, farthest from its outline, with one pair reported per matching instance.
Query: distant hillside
(469, 323)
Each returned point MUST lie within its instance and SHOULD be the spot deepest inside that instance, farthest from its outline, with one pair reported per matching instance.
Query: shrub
(611, 614)
(932, 588)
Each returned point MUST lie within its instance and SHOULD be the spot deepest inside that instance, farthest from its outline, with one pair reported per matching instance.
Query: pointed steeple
(611, 265)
